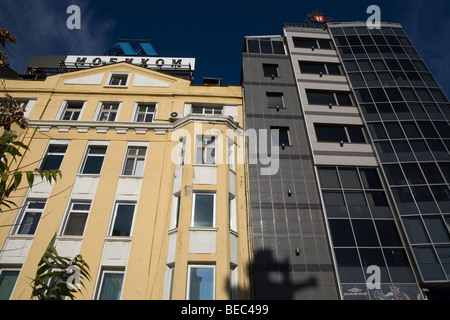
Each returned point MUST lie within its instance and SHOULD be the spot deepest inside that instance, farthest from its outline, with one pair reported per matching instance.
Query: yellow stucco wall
(146, 260)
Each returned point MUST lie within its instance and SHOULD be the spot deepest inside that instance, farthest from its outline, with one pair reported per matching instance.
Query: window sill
(215, 229)
(115, 86)
(117, 238)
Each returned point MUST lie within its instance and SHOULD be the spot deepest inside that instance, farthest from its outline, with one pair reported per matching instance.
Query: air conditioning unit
(174, 116)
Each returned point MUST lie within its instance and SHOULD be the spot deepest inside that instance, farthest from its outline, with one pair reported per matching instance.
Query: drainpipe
(247, 199)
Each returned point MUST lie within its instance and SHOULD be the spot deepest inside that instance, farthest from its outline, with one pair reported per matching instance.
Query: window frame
(214, 213)
(48, 153)
(23, 213)
(11, 269)
(136, 112)
(94, 145)
(135, 158)
(69, 212)
(275, 95)
(345, 127)
(204, 107)
(121, 74)
(205, 146)
(65, 107)
(280, 129)
(100, 111)
(200, 266)
(102, 278)
(114, 219)
(270, 65)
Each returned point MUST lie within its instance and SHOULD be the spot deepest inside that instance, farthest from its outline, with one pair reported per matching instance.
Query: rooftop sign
(314, 20)
(146, 62)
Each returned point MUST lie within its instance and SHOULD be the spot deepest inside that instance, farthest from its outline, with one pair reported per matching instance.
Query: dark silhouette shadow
(271, 280)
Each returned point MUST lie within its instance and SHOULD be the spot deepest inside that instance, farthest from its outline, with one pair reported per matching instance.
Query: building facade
(363, 177)
(153, 188)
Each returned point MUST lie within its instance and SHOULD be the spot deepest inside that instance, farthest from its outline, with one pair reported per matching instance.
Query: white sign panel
(147, 62)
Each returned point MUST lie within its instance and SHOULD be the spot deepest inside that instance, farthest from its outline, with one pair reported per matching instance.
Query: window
(123, 220)
(316, 97)
(201, 282)
(8, 278)
(53, 157)
(209, 110)
(108, 111)
(111, 284)
(176, 203)
(283, 139)
(312, 43)
(232, 212)
(275, 100)
(320, 67)
(118, 79)
(335, 133)
(231, 154)
(266, 46)
(76, 219)
(145, 112)
(204, 207)
(270, 70)
(94, 160)
(206, 149)
(72, 110)
(134, 162)
(29, 218)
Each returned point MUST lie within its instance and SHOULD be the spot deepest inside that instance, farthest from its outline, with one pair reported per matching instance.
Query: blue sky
(211, 31)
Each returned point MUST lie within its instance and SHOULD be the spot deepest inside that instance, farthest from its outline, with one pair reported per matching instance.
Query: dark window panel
(378, 204)
(403, 150)
(424, 199)
(437, 229)
(394, 174)
(404, 200)
(253, 46)
(329, 177)
(357, 205)
(413, 173)
(387, 231)
(334, 204)
(356, 135)
(365, 233)
(394, 130)
(385, 151)
(428, 263)
(266, 46)
(415, 230)
(349, 266)
(341, 233)
(349, 178)
(321, 98)
(398, 266)
(329, 133)
(432, 173)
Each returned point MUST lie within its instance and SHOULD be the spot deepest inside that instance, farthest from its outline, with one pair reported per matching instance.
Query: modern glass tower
(364, 170)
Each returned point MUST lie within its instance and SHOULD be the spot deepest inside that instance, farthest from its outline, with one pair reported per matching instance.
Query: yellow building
(153, 189)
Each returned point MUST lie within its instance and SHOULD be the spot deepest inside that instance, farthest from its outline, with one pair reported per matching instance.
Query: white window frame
(194, 196)
(168, 282)
(206, 107)
(26, 105)
(142, 103)
(114, 217)
(18, 275)
(20, 217)
(102, 277)
(114, 73)
(71, 210)
(200, 266)
(53, 143)
(99, 111)
(124, 162)
(86, 155)
(205, 146)
(65, 106)
(175, 212)
(232, 212)
(231, 154)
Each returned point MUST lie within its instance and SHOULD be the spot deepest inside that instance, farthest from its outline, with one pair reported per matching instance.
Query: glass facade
(407, 116)
(364, 234)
